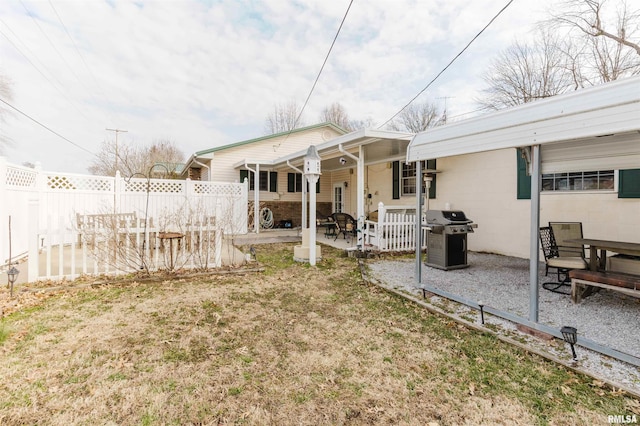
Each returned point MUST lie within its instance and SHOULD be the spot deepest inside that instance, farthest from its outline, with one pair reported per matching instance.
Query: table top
(169, 235)
(622, 247)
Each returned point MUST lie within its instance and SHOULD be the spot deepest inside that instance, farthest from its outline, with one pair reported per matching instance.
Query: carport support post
(418, 232)
(534, 252)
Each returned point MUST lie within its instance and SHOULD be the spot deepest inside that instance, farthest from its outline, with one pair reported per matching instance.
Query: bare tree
(528, 72)
(416, 118)
(607, 40)
(6, 96)
(336, 114)
(283, 118)
(589, 18)
(159, 159)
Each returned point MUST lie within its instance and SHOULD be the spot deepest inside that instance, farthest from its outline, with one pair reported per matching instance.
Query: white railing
(393, 231)
(121, 249)
(41, 208)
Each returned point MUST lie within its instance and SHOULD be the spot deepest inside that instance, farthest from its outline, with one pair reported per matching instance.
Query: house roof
(394, 147)
(597, 128)
(267, 137)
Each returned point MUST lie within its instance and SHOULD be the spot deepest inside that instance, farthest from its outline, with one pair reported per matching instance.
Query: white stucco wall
(484, 187)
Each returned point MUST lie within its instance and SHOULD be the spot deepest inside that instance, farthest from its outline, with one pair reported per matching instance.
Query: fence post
(4, 211)
(382, 234)
(117, 189)
(34, 225)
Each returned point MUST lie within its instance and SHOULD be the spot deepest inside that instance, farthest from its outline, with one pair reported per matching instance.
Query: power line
(49, 129)
(75, 46)
(449, 64)
(55, 86)
(324, 63)
(317, 77)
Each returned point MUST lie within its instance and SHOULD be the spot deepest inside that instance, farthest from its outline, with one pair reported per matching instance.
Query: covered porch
(361, 175)
(590, 129)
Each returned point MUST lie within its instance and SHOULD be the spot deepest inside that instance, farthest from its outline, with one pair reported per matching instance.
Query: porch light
(481, 304)
(570, 335)
(12, 275)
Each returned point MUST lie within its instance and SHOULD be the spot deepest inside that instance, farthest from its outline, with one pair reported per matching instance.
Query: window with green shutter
(524, 180)
(404, 179)
(629, 183)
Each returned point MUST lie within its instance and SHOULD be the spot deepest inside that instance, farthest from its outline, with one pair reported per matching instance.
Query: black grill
(447, 238)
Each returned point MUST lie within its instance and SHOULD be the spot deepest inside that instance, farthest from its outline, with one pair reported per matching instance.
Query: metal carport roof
(590, 129)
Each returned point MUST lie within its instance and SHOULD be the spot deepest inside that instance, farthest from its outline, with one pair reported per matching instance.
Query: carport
(591, 129)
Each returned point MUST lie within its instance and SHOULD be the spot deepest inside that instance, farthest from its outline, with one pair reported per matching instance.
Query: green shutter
(244, 174)
(396, 180)
(273, 181)
(318, 186)
(524, 180)
(431, 165)
(629, 183)
(291, 182)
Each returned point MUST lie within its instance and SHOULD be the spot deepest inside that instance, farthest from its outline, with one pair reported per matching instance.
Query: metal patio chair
(562, 264)
(346, 225)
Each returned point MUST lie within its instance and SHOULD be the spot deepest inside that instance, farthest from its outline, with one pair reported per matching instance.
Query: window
(404, 179)
(408, 178)
(294, 183)
(268, 180)
(579, 181)
(628, 181)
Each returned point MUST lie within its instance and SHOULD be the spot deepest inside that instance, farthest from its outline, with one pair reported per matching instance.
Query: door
(338, 198)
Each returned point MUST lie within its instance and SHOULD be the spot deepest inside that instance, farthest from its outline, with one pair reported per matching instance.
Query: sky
(206, 73)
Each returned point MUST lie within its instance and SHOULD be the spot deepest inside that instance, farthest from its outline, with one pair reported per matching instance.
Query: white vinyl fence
(394, 230)
(50, 212)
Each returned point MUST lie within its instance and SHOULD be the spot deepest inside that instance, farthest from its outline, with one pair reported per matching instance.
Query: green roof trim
(275, 135)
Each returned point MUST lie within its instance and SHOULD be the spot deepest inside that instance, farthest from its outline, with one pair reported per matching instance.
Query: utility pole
(444, 116)
(117, 131)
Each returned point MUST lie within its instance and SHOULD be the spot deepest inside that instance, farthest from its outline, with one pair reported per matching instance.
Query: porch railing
(394, 229)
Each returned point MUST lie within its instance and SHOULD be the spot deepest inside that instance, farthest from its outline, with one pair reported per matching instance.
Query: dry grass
(293, 345)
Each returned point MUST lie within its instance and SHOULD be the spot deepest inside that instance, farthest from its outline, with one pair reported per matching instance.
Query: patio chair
(562, 264)
(346, 225)
(565, 231)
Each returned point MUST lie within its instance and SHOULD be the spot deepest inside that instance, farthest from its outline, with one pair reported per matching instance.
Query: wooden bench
(91, 225)
(583, 281)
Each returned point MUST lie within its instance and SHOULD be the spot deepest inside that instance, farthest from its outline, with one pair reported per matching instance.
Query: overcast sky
(208, 73)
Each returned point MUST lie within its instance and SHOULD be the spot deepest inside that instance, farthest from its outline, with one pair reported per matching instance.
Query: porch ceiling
(378, 145)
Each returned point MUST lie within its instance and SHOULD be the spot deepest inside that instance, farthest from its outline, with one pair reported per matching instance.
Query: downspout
(303, 222)
(256, 197)
(359, 191)
(195, 160)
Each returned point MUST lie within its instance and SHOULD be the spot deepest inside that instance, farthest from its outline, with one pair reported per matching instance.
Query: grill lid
(447, 217)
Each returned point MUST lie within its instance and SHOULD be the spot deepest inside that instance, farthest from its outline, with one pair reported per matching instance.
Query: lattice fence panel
(79, 183)
(20, 178)
(158, 186)
(221, 189)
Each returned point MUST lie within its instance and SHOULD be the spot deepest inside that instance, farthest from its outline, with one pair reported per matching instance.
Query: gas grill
(447, 238)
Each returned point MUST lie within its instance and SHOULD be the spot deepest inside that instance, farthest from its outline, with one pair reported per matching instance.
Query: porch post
(304, 223)
(534, 253)
(360, 194)
(418, 224)
(256, 199)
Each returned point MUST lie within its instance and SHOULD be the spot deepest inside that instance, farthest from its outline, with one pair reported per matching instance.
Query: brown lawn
(292, 345)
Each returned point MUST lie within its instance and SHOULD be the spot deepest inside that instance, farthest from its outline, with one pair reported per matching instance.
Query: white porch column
(361, 196)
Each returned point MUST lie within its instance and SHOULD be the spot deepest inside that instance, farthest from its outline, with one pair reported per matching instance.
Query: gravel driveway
(502, 282)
